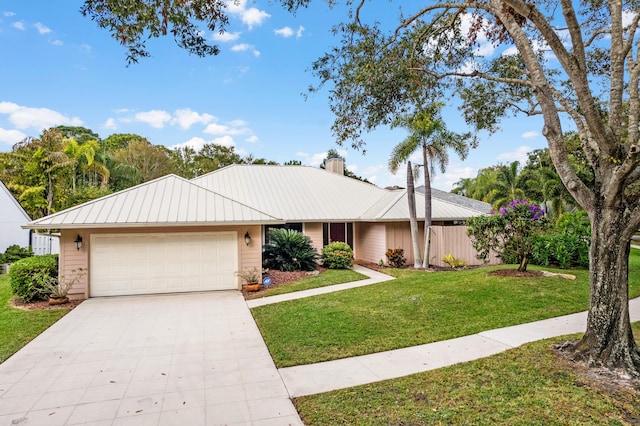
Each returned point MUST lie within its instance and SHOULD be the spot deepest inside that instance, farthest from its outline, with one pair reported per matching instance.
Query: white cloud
(37, 118)
(236, 7)
(110, 124)
(186, 118)
(252, 139)
(530, 135)
(627, 17)
(284, 32)
(226, 37)
(224, 141)
(484, 48)
(221, 129)
(238, 123)
(302, 154)
(244, 47)
(287, 32)
(19, 25)
(11, 136)
(519, 154)
(253, 16)
(42, 29)
(8, 13)
(250, 16)
(154, 118)
(57, 42)
(452, 175)
(196, 143)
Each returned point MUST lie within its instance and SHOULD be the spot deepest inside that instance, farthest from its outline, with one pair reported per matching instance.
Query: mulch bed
(514, 273)
(279, 278)
(40, 305)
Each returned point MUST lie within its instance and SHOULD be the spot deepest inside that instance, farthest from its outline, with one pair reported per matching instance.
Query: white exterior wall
(12, 217)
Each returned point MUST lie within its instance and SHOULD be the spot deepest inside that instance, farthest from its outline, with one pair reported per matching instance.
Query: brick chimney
(335, 165)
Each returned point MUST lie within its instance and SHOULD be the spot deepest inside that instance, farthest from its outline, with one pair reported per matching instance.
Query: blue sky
(59, 68)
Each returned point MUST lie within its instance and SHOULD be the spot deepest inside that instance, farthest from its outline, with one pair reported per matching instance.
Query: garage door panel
(162, 263)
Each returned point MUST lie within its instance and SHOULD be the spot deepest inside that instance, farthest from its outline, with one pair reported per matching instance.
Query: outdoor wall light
(78, 242)
(247, 238)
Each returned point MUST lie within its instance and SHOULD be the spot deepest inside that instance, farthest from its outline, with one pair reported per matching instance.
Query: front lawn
(523, 386)
(327, 278)
(17, 326)
(421, 307)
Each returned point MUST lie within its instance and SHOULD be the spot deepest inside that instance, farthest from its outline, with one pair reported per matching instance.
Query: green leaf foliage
(14, 253)
(30, 276)
(511, 232)
(337, 255)
(289, 250)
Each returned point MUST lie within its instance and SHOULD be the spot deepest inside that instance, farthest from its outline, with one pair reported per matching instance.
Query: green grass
(18, 327)
(420, 307)
(327, 278)
(523, 386)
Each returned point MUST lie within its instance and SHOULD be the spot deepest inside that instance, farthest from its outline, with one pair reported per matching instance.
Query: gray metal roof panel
(162, 202)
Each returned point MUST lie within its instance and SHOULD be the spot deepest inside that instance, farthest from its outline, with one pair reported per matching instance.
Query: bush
(567, 245)
(454, 262)
(337, 255)
(395, 257)
(289, 250)
(30, 277)
(14, 253)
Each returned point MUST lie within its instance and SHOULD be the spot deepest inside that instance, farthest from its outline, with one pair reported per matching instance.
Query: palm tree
(508, 186)
(427, 131)
(413, 219)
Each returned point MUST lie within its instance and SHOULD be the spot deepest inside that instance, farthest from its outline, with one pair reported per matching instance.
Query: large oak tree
(573, 63)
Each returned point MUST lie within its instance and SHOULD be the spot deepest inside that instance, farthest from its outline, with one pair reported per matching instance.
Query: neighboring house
(12, 217)
(175, 235)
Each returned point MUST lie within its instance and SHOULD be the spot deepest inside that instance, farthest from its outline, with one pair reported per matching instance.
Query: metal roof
(294, 193)
(395, 207)
(249, 193)
(170, 200)
(306, 194)
(450, 197)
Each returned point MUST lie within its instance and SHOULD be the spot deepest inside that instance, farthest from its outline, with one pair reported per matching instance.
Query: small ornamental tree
(512, 230)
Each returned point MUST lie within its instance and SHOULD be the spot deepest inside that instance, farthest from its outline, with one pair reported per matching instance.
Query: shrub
(454, 262)
(28, 277)
(512, 232)
(14, 253)
(395, 257)
(567, 244)
(289, 250)
(337, 255)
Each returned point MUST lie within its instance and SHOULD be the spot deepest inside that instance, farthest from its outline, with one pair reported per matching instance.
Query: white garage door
(124, 264)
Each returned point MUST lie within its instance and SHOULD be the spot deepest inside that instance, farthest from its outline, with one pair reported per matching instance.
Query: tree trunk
(608, 340)
(413, 217)
(427, 206)
(524, 262)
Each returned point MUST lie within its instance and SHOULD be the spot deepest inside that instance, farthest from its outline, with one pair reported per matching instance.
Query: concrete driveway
(185, 359)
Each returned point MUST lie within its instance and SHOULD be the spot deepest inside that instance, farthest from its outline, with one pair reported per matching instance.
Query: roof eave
(148, 224)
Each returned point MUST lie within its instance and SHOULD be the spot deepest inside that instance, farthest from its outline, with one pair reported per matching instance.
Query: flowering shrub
(511, 232)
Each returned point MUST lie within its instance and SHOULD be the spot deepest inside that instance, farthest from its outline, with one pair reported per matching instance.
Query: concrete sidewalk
(326, 376)
(374, 278)
(331, 375)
